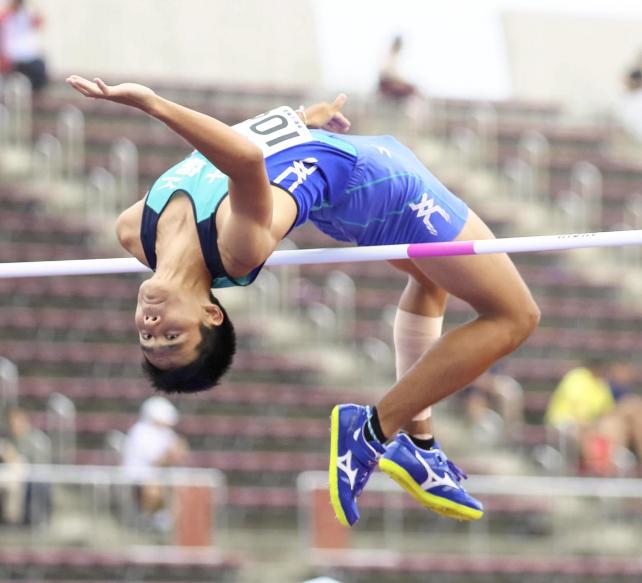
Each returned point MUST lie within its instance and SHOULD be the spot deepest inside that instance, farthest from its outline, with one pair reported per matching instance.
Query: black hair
(596, 363)
(215, 353)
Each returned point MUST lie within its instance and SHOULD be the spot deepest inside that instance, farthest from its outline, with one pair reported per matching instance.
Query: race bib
(275, 130)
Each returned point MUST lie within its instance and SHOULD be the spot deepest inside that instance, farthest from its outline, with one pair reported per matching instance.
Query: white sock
(413, 335)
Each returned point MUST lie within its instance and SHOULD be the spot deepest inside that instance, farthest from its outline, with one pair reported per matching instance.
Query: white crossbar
(347, 254)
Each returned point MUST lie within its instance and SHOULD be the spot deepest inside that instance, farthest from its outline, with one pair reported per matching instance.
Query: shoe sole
(333, 472)
(430, 501)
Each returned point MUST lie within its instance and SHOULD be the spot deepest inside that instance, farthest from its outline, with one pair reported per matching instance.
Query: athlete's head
(188, 341)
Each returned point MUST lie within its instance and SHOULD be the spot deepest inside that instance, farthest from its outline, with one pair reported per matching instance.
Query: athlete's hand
(328, 116)
(130, 94)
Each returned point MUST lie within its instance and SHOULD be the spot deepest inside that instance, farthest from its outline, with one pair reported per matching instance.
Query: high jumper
(214, 219)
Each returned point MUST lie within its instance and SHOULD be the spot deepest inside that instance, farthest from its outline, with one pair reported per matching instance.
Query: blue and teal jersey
(367, 190)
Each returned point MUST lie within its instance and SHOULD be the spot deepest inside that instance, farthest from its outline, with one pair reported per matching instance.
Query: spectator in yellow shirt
(583, 405)
(582, 396)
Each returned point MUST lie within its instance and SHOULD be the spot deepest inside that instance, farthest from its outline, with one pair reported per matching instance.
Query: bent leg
(417, 326)
(507, 315)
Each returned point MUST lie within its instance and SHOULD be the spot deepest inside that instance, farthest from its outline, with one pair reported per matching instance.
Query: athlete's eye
(145, 336)
(171, 336)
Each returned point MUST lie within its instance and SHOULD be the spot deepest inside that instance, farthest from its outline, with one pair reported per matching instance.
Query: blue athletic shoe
(431, 478)
(352, 460)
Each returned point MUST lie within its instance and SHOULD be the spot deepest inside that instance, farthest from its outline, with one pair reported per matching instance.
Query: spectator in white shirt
(152, 443)
(20, 49)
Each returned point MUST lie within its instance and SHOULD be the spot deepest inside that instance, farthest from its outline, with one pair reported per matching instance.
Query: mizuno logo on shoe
(433, 480)
(344, 463)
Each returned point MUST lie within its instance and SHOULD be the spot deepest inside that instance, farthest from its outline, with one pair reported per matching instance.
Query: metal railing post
(71, 133)
(61, 427)
(123, 164)
(534, 148)
(519, 180)
(47, 159)
(8, 383)
(485, 118)
(340, 294)
(586, 180)
(100, 196)
(18, 101)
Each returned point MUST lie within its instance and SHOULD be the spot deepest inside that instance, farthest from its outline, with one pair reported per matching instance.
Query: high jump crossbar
(347, 254)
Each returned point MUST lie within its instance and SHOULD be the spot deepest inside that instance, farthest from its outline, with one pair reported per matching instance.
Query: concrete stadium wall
(578, 60)
(227, 41)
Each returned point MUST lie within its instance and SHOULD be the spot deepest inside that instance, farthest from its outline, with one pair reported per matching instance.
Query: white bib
(275, 130)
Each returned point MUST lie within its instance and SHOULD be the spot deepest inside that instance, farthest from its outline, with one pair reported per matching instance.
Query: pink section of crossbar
(418, 250)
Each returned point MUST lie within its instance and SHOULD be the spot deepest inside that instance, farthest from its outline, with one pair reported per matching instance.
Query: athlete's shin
(413, 335)
(450, 365)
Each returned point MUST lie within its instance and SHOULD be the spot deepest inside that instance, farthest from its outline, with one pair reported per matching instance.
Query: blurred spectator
(582, 396)
(583, 405)
(630, 107)
(31, 444)
(621, 379)
(24, 502)
(13, 486)
(19, 44)
(152, 443)
(392, 83)
(494, 404)
(624, 426)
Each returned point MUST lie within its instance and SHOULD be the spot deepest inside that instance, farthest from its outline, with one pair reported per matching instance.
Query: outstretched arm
(233, 154)
(237, 157)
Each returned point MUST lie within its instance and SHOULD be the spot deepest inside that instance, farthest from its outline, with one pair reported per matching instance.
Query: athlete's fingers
(339, 102)
(102, 86)
(341, 122)
(81, 87)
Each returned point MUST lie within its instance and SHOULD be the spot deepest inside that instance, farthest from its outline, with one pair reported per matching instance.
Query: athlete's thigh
(409, 267)
(491, 284)
(420, 291)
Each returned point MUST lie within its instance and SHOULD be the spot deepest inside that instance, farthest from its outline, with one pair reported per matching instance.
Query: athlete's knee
(514, 326)
(522, 323)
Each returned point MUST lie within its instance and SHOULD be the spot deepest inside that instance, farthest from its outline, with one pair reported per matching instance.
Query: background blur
(530, 113)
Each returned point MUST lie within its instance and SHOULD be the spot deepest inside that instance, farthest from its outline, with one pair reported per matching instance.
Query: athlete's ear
(215, 315)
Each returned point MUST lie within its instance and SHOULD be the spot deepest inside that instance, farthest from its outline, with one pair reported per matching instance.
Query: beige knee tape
(413, 335)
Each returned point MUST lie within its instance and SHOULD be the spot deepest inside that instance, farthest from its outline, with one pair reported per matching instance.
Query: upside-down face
(168, 321)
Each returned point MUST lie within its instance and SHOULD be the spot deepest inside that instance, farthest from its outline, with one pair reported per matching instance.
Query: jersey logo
(170, 182)
(301, 169)
(215, 175)
(425, 208)
(384, 151)
(191, 167)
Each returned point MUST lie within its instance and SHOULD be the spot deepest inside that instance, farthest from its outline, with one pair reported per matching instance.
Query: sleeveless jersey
(368, 190)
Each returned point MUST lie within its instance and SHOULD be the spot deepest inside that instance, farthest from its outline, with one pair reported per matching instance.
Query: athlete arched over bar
(214, 218)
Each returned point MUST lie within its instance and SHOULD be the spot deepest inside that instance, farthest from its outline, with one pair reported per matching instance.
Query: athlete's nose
(151, 320)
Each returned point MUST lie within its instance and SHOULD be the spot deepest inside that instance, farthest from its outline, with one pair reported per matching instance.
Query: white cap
(159, 409)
